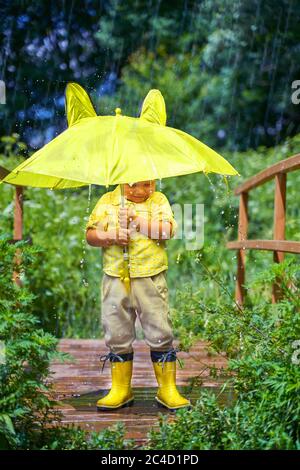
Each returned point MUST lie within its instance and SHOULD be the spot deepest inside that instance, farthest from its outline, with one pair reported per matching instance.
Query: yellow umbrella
(108, 150)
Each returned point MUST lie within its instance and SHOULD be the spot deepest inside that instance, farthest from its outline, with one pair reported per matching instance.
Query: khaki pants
(148, 299)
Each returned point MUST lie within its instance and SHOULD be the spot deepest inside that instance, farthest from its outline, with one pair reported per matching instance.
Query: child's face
(140, 191)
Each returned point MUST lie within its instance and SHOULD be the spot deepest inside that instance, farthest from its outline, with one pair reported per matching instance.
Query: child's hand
(123, 236)
(131, 214)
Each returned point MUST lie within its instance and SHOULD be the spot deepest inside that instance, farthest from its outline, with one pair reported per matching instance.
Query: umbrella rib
(113, 149)
(56, 184)
(154, 166)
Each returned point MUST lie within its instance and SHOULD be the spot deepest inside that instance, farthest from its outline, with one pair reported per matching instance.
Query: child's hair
(131, 184)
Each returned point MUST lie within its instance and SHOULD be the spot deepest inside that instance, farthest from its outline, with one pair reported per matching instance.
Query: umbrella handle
(122, 196)
(123, 204)
(125, 271)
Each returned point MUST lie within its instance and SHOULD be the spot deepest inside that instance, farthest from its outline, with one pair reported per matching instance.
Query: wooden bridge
(79, 384)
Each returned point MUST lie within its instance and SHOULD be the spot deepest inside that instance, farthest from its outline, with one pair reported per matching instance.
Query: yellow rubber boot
(120, 394)
(167, 394)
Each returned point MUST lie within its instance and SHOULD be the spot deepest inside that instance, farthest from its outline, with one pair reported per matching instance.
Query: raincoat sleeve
(162, 211)
(99, 214)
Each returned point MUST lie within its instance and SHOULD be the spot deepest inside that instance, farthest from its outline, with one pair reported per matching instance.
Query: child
(143, 225)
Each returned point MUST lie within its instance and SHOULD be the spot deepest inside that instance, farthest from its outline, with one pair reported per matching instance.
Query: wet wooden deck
(78, 385)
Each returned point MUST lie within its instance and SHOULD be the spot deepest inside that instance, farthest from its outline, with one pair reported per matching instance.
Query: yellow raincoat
(147, 257)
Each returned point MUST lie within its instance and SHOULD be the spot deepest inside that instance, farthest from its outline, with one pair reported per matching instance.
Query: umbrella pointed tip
(118, 111)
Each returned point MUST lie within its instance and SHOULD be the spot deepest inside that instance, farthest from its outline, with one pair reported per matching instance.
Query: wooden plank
(269, 245)
(18, 213)
(79, 383)
(284, 166)
(18, 229)
(279, 227)
(241, 255)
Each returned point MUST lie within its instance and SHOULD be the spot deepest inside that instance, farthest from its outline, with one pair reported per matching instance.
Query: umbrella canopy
(108, 150)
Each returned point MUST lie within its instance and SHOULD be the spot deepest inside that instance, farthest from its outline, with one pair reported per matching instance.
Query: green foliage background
(225, 67)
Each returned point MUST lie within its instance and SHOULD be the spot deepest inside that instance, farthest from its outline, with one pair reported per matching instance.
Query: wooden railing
(18, 221)
(278, 245)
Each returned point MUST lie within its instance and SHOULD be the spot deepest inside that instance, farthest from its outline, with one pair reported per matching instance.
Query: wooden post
(18, 228)
(279, 227)
(241, 254)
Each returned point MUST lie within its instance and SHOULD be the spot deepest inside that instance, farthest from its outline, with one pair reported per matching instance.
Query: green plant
(28, 418)
(259, 340)
(28, 349)
(73, 438)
